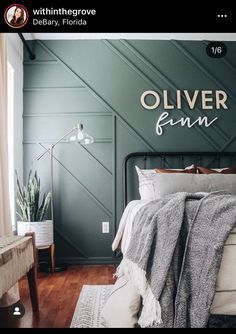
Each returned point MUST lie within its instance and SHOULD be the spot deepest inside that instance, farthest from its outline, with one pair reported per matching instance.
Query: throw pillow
(122, 307)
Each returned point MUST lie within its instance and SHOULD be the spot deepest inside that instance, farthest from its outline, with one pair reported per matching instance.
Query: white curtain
(12, 296)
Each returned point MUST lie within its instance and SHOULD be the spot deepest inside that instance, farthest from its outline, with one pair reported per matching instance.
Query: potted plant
(32, 210)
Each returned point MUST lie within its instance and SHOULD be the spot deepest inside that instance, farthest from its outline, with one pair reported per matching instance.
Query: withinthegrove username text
(62, 12)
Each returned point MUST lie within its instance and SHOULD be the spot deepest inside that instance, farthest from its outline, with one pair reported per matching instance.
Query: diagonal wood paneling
(202, 68)
(99, 98)
(225, 61)
(209, 139)
(95, 199)
(95, 159)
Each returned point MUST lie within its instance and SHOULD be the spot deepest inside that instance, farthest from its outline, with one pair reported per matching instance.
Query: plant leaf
(45, 206)
(28, 199)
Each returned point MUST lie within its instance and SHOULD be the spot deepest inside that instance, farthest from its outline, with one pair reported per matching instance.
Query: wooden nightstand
(51, 249)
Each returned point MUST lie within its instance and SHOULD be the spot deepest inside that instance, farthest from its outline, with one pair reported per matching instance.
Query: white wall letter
(191, 102)
(150, 92)
(178, 99)
(206, 99)
(159, 126)
(221, 101)
(165, 101)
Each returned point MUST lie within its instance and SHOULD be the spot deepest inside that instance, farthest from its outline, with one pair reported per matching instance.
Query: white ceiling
(151, 36)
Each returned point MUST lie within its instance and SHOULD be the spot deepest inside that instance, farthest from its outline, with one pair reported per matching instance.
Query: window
(10, 111)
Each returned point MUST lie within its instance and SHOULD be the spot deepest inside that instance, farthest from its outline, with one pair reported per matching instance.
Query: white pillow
(224, 301)
(164, 184)
(122, 307)
(146, 189)
(146, 178)
(226, 279)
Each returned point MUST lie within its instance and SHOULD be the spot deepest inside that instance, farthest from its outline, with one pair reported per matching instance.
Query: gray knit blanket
(174, 256)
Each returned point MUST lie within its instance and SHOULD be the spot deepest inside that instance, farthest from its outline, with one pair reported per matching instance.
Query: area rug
(93, 297)
(88, 309)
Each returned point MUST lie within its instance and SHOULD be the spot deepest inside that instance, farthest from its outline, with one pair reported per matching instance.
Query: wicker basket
(43, 231)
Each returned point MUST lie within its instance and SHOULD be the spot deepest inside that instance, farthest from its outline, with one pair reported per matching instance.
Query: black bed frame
(216, 159)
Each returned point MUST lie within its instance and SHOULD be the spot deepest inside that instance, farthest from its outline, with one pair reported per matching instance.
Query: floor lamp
(76, 134)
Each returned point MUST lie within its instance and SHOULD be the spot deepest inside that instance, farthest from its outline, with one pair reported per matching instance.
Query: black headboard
(149, 160)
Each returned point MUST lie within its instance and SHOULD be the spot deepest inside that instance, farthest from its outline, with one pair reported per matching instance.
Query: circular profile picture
(16, 16)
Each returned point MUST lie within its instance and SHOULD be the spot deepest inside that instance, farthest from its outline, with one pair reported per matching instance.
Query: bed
(173, 171)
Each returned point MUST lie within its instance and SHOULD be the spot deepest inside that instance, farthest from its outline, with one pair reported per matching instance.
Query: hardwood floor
(58, 295)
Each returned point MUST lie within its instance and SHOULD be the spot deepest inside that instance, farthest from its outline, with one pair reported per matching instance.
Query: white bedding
(123, 234)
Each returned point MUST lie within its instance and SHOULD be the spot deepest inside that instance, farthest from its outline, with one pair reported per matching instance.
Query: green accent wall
(99, 83)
